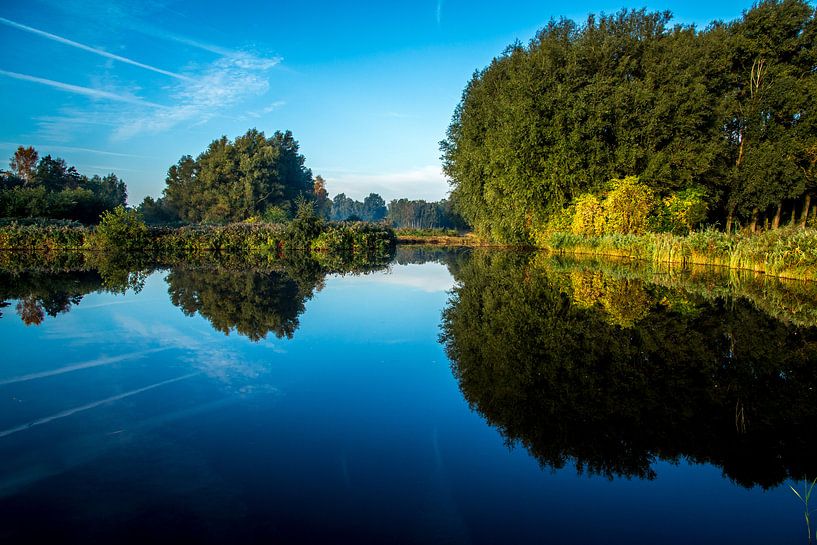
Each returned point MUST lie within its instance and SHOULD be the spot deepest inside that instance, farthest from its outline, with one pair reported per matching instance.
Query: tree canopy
(236, 180)
(730, 109)
(47, 187)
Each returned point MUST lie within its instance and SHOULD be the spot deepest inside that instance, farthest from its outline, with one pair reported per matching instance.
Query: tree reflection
(252, 295)
(611, 373)
(253, 303)
(42, 294)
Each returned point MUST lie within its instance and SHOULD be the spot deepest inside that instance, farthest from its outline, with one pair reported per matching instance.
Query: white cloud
(429, 277)
(427, 183)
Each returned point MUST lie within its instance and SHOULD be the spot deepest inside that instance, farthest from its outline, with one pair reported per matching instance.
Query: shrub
(627, 206)
(588, 216)
(681, 212)
(122, 230)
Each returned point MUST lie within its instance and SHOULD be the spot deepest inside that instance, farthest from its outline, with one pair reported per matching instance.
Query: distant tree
(343, 207)
(23, 162)
(374, 207)
(419, 214)
(323, 205)
(52, 189)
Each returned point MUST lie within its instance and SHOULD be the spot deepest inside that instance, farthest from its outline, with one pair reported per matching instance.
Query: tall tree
(23, 162)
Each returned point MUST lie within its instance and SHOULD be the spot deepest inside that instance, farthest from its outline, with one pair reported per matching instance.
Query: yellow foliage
(627, 206)
(588, 218)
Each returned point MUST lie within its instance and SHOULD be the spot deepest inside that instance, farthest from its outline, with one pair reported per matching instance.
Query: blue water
(124, 420)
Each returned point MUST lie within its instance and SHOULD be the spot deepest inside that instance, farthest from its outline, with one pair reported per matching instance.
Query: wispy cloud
(81, 365)
(78, 90)
(92, 405)
(277, 105)
(223, 83)
(49, 147)
(439, 11)
(90, 49)
(420, 183)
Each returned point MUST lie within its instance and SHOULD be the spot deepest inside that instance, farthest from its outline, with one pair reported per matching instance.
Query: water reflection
(607, 366)
(612, 368)
(253, 298)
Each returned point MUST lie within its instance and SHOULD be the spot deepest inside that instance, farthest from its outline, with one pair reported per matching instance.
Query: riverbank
(125, 236)
(785, 253)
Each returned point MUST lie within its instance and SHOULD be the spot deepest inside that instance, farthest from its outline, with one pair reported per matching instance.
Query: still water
(450, 397)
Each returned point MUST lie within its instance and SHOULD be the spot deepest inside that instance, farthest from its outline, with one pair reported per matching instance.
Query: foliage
(23, 162)
(681, 212)
(323, 205)
(627, 206)
(730, 108)
(122, 230)
(305, 227)
(588, 216)
(51, 189)
(235, 180)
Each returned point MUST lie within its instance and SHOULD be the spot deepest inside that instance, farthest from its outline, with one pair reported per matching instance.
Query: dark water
(453, 397)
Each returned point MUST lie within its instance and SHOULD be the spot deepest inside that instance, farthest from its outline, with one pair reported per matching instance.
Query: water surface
(451, 397)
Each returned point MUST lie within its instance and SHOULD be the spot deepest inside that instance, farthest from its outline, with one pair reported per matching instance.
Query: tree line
(253, 177)
(47, 187)
(725, 113)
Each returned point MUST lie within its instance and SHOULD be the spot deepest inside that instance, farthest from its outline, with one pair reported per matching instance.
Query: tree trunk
(753, 225)
(776, 221)
(806, 208)
(729, 222)
(793, 214)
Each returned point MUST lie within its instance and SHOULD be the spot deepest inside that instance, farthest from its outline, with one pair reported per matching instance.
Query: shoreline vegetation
(789, 253)
(122, 234)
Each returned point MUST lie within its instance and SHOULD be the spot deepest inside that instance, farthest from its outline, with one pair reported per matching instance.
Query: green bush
(121, 230)
(681, 212)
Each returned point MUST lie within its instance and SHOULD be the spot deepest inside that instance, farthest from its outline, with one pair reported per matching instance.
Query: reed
(787, 253)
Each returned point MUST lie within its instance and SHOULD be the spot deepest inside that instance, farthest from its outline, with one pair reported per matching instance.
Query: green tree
(236, 180)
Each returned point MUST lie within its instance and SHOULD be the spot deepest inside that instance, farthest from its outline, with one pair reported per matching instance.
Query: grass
(439, 237)
(805, 497)
(786, 253)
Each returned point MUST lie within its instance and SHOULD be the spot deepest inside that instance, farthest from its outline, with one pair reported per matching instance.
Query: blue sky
(368, 88)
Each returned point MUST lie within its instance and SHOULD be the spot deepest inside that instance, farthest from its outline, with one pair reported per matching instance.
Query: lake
(451, 396)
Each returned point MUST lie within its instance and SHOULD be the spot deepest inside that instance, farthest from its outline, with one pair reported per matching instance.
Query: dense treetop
(47, 187)
(728, 110)
(235, 180)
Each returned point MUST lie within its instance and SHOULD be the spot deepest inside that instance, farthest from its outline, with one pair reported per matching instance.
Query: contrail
(87, 91)
(90, 49)
(77, 366)
(69, 412)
